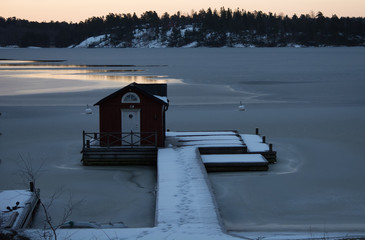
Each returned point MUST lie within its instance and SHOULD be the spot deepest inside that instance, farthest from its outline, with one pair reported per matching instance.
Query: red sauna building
(134, 116)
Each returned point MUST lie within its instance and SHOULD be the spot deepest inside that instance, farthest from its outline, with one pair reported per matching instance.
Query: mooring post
(31, 186)
(257, 131)
(264, 139)
(270, 147)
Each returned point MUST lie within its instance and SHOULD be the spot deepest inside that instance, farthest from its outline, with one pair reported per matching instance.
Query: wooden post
(257, 131)
(95, 136)
(270, 147)
(131, 138)
(31, 186)
(83, 139)
(264, 139)
(88, 143)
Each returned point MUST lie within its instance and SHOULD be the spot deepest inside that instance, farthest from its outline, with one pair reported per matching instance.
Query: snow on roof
(254, 143)
(233, 158)
(164, 99)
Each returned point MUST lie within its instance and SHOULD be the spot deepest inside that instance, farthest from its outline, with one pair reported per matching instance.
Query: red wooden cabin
(134, 115)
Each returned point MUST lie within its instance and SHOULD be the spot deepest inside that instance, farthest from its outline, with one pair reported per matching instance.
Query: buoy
(241, 107)
(88, 110)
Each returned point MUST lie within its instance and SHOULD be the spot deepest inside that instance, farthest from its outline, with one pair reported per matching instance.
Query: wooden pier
(185, 203)
(231, 151)
(238, 152)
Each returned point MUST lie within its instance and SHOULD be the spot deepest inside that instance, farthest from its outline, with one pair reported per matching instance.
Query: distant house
(135, 115)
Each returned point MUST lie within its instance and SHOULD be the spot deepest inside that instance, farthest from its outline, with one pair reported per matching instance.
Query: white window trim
(130, 101)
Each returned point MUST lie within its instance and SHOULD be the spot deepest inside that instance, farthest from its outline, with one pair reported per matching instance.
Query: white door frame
(131, 122)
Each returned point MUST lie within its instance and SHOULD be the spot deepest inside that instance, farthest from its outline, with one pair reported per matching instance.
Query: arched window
(130, 98)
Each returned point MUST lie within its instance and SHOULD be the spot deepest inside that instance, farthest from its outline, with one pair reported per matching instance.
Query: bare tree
(27, 171)
(45, 206)
(30, 173)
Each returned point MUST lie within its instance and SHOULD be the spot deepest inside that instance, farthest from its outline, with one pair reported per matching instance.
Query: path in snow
(184, 197)
(185, 208)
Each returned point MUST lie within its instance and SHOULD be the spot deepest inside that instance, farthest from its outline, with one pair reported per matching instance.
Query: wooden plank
(234, 168)
(223, 150)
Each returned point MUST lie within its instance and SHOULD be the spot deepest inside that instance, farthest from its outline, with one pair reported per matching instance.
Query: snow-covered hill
(186, 37)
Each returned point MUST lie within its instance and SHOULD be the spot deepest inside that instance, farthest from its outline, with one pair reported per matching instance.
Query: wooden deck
(119, 156)
(119, 148)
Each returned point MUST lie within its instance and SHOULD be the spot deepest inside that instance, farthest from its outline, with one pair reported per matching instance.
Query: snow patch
(254, 143)
(97, 42)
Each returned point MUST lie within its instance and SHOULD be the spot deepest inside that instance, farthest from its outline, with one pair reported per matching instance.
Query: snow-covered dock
(17, 207)
(235, 162)
(184, 196)
(185, 202)
(227, 150)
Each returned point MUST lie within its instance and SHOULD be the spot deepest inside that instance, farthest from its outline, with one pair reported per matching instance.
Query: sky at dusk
(79, 10)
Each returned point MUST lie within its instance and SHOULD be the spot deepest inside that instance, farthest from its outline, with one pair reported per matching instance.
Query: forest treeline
(210, 28)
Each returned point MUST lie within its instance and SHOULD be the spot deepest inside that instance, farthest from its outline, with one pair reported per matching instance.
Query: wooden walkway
(184, 193)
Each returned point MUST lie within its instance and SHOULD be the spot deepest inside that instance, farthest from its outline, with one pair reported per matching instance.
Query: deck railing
(118, 139)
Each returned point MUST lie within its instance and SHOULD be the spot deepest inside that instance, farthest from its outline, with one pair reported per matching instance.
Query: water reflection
(45, 72)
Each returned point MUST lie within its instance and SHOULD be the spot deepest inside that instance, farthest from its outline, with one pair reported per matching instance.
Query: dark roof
(154, 89)
(148, 89)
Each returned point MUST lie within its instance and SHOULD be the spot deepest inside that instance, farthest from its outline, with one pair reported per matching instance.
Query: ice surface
(308, 102)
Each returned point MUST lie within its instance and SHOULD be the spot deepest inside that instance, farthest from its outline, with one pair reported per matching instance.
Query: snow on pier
(184, 195)
(185, 204)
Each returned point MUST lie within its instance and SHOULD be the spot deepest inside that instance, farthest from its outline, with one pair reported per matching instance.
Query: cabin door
(131, 126)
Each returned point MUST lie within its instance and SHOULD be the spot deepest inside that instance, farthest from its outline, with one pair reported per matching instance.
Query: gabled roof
(156, 91)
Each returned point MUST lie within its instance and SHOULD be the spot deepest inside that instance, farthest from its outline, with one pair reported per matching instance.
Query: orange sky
(79, 10)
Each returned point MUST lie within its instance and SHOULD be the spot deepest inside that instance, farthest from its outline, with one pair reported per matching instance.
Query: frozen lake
(309, 102)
